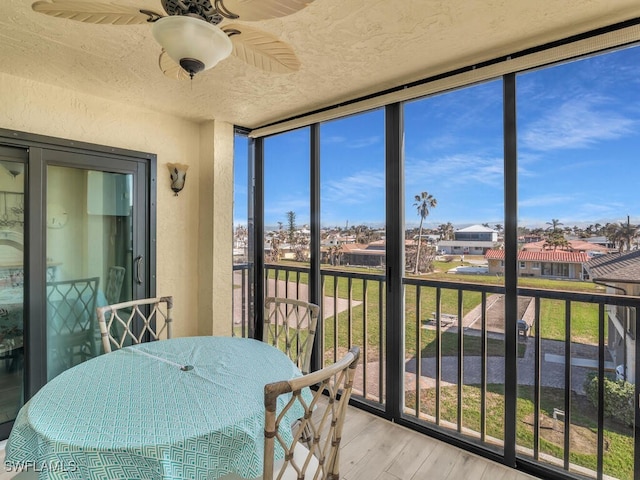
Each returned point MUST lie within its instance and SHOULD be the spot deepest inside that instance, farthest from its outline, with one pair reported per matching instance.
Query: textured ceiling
(347, 49)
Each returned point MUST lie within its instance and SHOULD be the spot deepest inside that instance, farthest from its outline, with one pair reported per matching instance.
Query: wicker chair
(71, 322)
(115, 278)
(120, 322)
(318, 457)
(290, 325)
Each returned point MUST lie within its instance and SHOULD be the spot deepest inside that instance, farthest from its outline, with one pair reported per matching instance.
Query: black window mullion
(510, 268)
(314, 282)
(258, 237)
(394, 175)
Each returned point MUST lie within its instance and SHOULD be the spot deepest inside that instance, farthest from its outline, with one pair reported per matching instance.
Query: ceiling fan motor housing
(200, 8)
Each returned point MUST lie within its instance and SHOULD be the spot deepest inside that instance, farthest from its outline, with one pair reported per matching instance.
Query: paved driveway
(584, 360)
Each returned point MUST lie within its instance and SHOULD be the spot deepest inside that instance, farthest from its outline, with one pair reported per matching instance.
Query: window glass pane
(241, 238)
(454, 218)
(578, 144)
(89, 212)
(287, 214)
(12, 281)
(240, 199)
(353, 243)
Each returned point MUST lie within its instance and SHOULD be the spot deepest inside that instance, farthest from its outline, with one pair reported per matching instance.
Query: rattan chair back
(290, 325)
(324, 397)
(134, 321)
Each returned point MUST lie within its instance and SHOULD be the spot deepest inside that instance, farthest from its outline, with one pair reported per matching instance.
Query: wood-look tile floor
(375, 449)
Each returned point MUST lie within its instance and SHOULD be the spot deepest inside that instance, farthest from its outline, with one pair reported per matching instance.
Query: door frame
(42, 151)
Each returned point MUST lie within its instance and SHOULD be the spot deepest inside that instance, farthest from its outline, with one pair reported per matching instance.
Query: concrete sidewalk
(552, 371)
(294, 290)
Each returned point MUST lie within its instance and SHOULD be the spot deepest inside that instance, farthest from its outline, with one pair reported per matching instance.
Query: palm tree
(556, 241)
(423, 203)
(554, 224)
(623, 234)
(445, 230)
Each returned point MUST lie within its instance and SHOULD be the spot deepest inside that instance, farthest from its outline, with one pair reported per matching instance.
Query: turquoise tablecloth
(134, 414)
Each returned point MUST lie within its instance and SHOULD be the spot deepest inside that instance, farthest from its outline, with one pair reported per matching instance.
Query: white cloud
(365, 142)
(545, 201)
(577, 123)
(358, 188)
(277, 211)
(333, 139)
(456, 169)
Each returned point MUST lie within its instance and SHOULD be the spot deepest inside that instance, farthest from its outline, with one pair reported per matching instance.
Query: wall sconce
(178, 172)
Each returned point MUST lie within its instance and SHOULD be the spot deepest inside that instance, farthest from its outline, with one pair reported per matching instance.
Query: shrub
(618, 398)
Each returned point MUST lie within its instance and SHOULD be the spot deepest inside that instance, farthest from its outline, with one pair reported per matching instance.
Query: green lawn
(584, 317)
(618, 457)
(363, 321)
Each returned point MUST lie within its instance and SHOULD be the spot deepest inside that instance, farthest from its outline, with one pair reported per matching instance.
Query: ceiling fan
(196, 34)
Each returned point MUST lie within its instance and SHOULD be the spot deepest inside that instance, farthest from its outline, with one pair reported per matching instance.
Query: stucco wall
(43, 109)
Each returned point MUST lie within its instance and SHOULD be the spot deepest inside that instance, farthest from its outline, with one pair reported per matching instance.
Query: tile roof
(576, 245)
(620, 267)
(558, 256)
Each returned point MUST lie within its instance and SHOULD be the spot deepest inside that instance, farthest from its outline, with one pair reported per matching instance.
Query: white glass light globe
(194, 44)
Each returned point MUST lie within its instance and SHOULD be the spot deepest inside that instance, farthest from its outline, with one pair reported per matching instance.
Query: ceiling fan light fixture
(194, 44)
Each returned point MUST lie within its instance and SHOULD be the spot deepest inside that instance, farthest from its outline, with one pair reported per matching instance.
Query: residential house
(619, 273)
(603, 242)
(473, 240)
(370, 255)
(584, 246)
(530, 238)
(550, 264)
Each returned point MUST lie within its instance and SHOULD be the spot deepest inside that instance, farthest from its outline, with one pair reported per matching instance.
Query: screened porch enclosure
(516, 366)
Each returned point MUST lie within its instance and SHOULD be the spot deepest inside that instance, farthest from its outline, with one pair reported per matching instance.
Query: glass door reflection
(11, 281)
(89, 258)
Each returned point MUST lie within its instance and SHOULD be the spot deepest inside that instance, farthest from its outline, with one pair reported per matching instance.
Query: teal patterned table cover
(135, 414)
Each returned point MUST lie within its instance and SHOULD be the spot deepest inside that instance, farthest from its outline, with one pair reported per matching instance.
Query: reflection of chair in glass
(290, 325)
(129, 323)
(115, 277)
(71, 306)
(316, 457)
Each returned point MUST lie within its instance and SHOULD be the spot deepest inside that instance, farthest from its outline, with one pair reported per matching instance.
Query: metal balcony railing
(572, 418)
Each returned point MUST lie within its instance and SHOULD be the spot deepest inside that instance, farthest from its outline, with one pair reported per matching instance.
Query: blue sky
(578, 153)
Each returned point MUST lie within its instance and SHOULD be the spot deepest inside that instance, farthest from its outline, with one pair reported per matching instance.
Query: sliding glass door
(76, 229)
(91, 212)
(12, 183)
(94, 257)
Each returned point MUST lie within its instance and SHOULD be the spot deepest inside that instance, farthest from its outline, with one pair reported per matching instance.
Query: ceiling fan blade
(171, 69)
(261, 49)
(95, 12)
(252, 10)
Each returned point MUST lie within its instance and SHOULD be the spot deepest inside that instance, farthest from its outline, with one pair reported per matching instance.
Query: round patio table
(185, 408)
